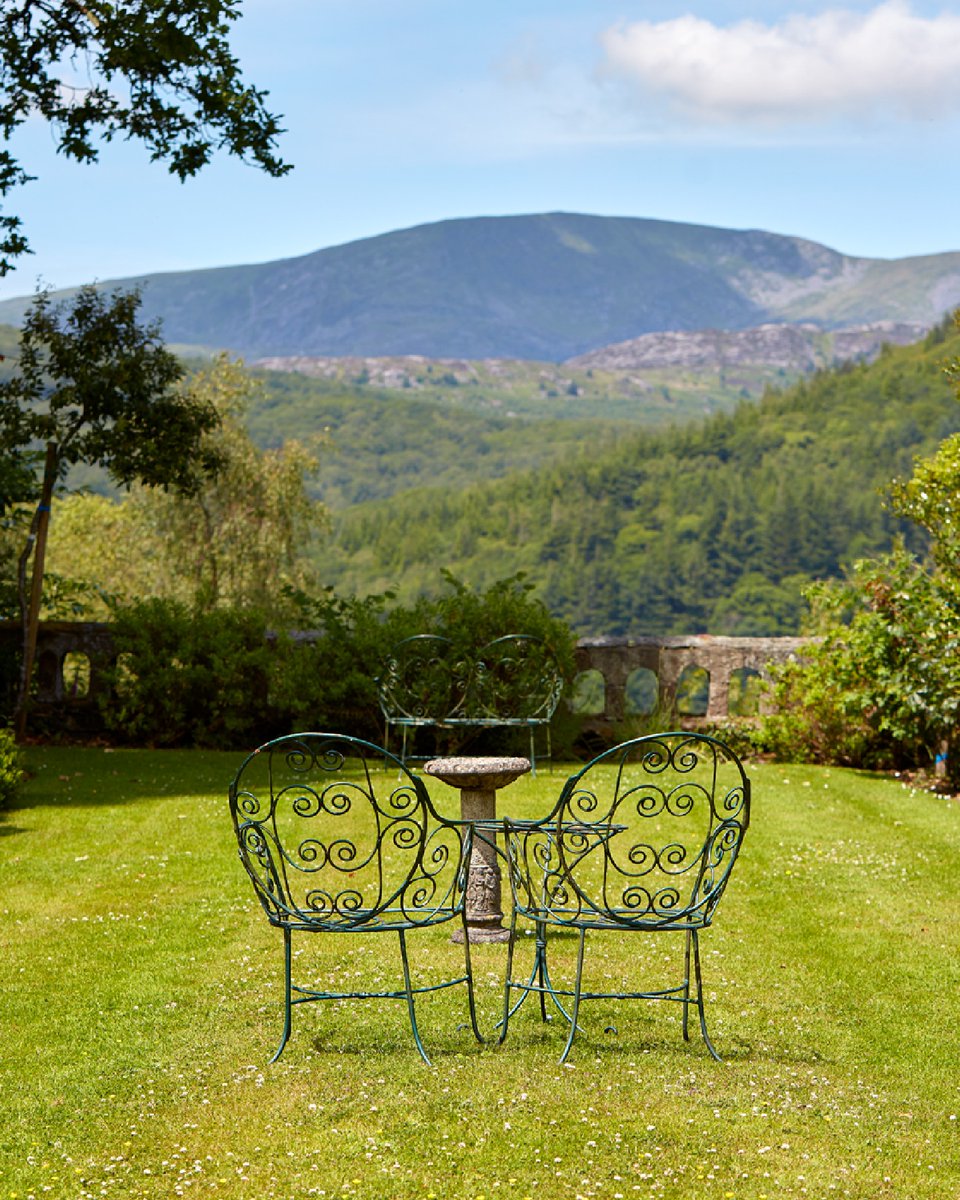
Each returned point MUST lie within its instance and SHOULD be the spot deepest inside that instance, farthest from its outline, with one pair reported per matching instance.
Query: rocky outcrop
(791, 348)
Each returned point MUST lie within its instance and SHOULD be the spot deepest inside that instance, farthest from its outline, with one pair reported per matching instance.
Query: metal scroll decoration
(514, 678)
(330, 843)
(646, 835)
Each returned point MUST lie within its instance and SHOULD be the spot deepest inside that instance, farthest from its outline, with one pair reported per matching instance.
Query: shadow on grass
(60, 776)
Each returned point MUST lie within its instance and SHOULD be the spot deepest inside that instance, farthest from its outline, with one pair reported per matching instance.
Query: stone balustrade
(696, 677)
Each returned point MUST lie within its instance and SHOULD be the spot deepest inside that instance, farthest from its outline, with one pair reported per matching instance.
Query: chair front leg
(408, 988)
(686, 986)
(287, 1003)
(576, 998)
(694, 937)
(469, 970)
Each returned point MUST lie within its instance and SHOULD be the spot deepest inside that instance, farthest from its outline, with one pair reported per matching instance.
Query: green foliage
(881, 688)
(189, 677)
(11, 768)
(336, 673)
(153, 71)
(329, 681)
(244, 535)
(238, 541)
(96, 384)
(218, 677)
(383, 442)
(471, 618)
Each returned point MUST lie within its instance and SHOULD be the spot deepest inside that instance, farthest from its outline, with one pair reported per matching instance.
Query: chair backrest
(515, 678)
(420, 680)
(645, 834)
(336, 834)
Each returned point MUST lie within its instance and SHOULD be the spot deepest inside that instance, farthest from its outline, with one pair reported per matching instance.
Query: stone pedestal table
(479, 780)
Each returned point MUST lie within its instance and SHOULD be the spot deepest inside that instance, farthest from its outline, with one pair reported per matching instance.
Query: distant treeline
(714, 527)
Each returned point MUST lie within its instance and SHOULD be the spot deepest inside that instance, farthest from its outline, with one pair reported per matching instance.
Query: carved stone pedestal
(479, 780)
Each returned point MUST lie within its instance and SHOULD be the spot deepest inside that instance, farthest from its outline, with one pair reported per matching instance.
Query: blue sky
(836, 122)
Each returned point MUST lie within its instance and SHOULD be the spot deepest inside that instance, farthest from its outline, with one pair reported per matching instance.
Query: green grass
(140, 1001)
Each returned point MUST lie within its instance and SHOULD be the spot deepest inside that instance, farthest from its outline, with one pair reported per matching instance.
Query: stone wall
(71, 657)
(721, 658)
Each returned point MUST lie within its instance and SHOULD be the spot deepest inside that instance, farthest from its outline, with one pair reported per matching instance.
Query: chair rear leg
(686, 988)
(576, 998)
(411, 1008)
(287, 1004)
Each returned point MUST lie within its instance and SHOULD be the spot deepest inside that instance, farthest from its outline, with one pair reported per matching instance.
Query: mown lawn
(140, 1001)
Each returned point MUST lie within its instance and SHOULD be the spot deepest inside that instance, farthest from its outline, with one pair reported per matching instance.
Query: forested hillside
(709, 528)
(378, 442)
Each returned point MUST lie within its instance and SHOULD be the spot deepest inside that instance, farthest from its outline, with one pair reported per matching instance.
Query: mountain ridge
(546, 286)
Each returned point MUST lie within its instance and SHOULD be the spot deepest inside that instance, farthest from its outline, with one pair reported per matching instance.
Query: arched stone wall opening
(642, 692)
(744, 692)
(75, 670)
(693, 691)
(588, 695)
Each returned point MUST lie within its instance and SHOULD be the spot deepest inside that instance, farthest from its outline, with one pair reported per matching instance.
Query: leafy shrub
(881, 688)
(332, 681)
(187, 677)
(471, 619)
(11, 769)
(328, 680)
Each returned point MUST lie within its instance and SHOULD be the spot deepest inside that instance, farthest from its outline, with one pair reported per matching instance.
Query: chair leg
(287, 1004)
(411, 1008)
(543, 973)
(507, 1010)
(693, 937)
(576, 998)
(469, 969)
(686, 987)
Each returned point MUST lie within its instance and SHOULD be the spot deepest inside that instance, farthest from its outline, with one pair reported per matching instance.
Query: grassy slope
(141, 1001)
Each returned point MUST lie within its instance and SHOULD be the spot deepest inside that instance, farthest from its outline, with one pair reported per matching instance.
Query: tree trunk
(30, 607)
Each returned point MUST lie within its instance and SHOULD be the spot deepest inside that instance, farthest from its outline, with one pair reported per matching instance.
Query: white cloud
(804, 68)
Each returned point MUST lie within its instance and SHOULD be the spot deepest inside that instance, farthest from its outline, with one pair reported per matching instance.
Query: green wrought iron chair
(339, 838)
(643, 839)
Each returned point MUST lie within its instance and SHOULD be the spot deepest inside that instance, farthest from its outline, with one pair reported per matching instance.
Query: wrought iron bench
(514, 681)
(643, 839)
(333, 844)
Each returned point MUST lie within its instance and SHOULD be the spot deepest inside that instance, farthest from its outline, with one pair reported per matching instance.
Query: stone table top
(477, 774)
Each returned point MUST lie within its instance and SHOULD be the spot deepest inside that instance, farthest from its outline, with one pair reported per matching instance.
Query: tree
(243, 536)
(158, 71)
(242, 540)
(94, 386)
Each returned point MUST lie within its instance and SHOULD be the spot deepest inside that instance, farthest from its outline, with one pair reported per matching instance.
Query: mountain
(548, 286)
